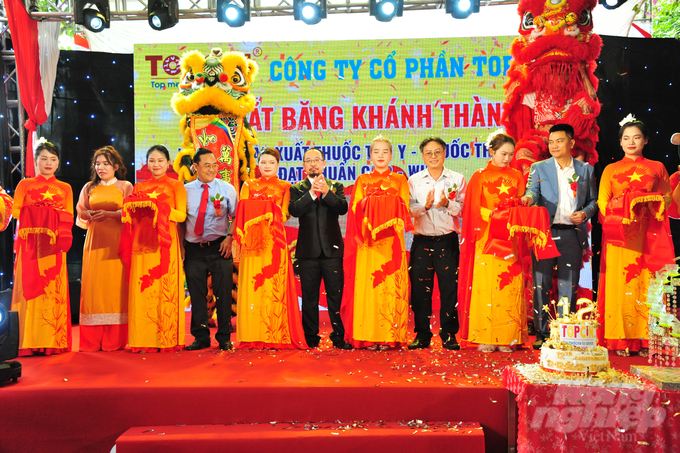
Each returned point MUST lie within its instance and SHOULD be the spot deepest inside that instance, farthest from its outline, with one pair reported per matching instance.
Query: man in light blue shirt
(211, 204)
(566, 188)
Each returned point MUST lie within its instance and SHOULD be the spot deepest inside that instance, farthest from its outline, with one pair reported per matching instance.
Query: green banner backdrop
(338, 95)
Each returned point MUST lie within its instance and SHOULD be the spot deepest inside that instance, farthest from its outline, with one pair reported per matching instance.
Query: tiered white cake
(572, 348)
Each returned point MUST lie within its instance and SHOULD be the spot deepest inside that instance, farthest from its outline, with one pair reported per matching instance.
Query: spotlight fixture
(461, 9)
(234, 12)
(611, 4)
(309, 12)
(385, 10)
(163, 14)
(93, 15)
(675, 138)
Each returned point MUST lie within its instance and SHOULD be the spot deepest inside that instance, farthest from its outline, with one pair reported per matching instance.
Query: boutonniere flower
(452, 192)
(573, 183)
(217, 203)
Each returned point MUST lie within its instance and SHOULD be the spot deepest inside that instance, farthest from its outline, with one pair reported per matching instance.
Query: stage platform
(83, 402)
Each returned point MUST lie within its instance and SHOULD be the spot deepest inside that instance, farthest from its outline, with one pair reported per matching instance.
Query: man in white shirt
(436, 201)
(211, 204)
(566, 187)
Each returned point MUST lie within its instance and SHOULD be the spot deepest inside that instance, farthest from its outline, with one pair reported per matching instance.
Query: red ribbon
(532, 222)
(378, 217)
(135, 209)
(269, 217)
(658, 247)
(44, 230)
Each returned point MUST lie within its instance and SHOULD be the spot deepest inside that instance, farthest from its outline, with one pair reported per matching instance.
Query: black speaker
(10, 371)
(9, 335)
(74, 300)
(6, 299)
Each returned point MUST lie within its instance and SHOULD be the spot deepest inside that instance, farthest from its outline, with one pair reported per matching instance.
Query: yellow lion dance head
(217, 82)
(215, 89)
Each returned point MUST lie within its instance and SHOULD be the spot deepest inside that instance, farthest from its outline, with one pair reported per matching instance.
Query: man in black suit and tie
(318, 202)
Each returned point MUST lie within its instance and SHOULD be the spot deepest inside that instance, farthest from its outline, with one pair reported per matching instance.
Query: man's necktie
(200, 218)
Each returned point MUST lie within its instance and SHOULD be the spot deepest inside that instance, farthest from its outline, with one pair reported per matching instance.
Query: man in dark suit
(566, 187)
(318, 202)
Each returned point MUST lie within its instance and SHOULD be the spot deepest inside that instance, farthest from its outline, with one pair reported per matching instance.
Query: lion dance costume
(214, 101)
(551, 79)
(6, 203)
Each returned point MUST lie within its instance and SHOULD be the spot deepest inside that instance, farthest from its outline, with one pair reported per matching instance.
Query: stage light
(386, 10)
(461, 9)
(675, 138)
(93, 15)
(309, 12)
(232, 12)
(611, 4)
(163, 14)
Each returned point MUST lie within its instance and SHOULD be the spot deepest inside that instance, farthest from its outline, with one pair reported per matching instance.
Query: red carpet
(377, 437)
(82, 402)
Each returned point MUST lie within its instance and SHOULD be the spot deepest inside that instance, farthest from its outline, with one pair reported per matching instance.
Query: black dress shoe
(419, 343)
(451, 344)
(197, 345)
(342, 344)
(531, 328)
(538, 343)
(225, 345)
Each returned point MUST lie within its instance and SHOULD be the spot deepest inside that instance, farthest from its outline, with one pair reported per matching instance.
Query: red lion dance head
(551, 79)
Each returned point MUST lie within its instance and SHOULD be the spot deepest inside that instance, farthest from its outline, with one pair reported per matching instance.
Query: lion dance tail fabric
(551, 79)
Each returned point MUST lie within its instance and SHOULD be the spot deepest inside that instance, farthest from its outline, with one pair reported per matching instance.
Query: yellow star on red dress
(154, 194)
(635, 177)
(503, 189)
(48, 195)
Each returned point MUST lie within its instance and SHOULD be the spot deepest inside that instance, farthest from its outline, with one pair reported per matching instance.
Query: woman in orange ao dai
(104, 292)
(376, 306)
(268, 314)
(636, 242)
(43, 207)
(491, 288)
(156, 319)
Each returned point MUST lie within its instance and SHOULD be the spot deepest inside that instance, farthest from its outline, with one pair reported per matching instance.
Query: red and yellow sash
(44, 230)
(137, 207)
(628, 208)
(511, 218)
(257, 220)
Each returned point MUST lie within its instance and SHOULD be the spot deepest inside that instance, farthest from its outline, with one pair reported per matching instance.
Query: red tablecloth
(557, 419)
